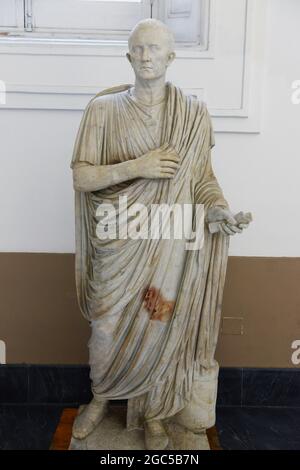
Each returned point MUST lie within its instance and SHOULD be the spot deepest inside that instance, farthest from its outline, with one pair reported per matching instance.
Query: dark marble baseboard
(259, 428)
(28, 427)
(70, 385)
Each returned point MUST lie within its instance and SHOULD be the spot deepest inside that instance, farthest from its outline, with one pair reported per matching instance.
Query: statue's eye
(154, 47)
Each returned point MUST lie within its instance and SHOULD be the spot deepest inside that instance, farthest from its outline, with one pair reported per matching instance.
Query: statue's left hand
(222, 220)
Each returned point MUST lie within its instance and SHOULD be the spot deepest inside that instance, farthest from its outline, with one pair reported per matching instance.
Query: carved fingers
(169, 161)
(163, 162)
(229, 229)
(222, 220)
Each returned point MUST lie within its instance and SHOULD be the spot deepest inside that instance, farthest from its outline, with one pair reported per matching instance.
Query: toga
(154, 307)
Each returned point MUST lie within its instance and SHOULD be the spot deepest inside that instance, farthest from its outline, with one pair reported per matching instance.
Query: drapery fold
(154, 306)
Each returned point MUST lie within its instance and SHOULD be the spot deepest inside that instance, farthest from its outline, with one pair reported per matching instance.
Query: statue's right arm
(159, 163)
(87, 177)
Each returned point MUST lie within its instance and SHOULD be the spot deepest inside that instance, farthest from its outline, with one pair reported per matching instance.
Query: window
(105, 20)
(185, 18)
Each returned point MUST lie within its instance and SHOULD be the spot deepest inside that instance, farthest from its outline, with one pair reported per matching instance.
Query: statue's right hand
(159, 163)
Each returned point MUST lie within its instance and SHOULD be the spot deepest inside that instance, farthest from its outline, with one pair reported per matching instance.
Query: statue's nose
(145, 55)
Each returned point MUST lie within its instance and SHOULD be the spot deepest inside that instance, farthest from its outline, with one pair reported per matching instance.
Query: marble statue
(153, 306)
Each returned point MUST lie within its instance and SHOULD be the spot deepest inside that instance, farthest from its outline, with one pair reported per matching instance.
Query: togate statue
(153, 302)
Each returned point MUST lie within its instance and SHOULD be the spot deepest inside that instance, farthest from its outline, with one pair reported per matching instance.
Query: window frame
(19, 36)
(25, 26)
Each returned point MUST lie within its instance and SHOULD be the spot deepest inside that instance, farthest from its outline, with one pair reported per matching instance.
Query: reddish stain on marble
(159, 308)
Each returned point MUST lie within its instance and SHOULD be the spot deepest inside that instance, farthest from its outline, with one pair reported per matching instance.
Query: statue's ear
(171, 57)
(128, 57)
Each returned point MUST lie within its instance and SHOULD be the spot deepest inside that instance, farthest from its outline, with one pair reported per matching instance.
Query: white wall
(261, 172)
(258, 172)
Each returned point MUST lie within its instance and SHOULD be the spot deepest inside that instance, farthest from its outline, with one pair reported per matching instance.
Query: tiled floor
(32, 427)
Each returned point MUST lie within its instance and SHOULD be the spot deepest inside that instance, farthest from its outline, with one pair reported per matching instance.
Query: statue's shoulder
(109, 94)
(100, 101)
(198, 104)
(190, 99)
(106, 97)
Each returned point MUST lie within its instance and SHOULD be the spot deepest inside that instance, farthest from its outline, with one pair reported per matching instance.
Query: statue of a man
(153, 306)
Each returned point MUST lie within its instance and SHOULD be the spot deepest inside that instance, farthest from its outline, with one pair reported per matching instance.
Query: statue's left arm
(209, 192)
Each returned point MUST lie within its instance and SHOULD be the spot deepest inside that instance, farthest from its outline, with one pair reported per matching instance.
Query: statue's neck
(150, 92)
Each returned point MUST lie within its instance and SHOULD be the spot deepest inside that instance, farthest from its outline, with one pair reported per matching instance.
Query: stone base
(111, 434)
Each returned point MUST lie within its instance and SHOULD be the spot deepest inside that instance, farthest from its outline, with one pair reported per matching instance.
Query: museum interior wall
(248, 81)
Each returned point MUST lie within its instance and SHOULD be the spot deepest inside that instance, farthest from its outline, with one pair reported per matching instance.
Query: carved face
(150, 53)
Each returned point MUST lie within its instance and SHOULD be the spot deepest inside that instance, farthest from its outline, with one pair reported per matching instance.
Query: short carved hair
(155, 24)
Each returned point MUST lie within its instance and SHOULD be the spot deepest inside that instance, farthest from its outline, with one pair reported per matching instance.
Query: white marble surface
(154, 303)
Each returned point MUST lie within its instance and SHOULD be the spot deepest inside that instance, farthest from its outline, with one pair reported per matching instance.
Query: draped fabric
(154, 306)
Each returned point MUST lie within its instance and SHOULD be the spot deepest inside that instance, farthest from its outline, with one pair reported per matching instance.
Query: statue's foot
(156, 437)
(89, 418)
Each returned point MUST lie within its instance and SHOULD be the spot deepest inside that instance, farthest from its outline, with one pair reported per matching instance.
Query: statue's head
(151, 49)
